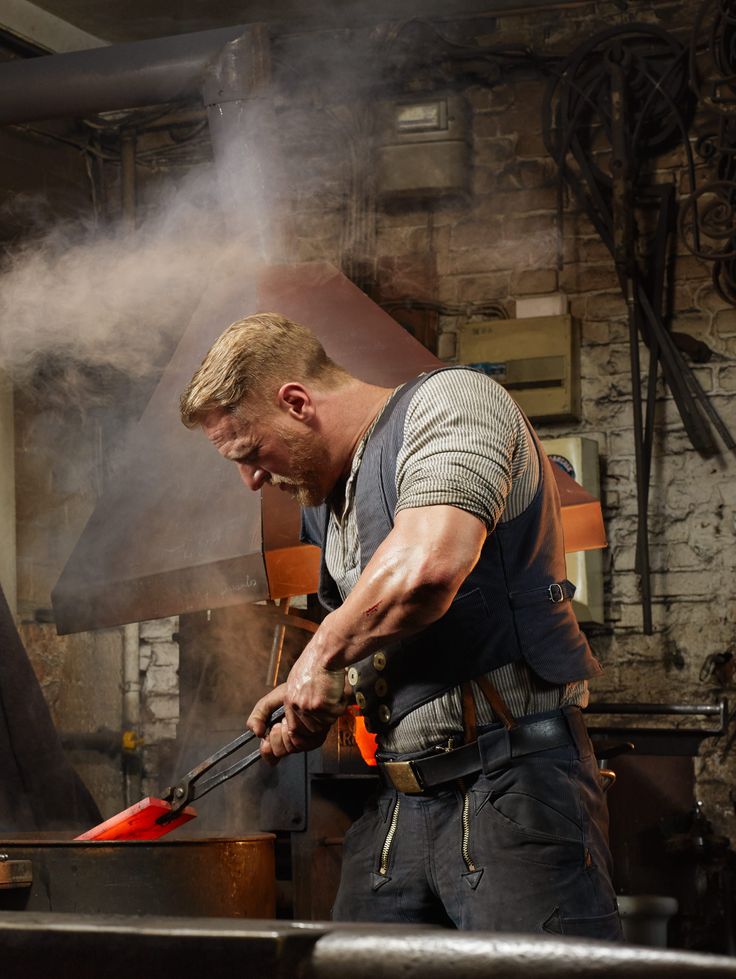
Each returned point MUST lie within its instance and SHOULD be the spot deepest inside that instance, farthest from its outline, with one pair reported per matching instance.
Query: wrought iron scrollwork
(707, 223)
(713, 56)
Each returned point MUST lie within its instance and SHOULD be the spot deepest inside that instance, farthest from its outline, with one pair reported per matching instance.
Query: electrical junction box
(579, 458)
(536, 359)
(424, 149)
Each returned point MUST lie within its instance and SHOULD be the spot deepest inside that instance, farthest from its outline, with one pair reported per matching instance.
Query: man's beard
(305, 483)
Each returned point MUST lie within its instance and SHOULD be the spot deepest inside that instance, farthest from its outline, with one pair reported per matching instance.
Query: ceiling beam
(44, 30)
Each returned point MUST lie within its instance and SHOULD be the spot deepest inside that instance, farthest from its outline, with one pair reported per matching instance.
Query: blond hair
(254, 356)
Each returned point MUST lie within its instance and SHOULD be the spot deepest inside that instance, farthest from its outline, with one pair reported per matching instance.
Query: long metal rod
(623, 253)
(131, 707)
(121, 76)
(128, 184)
(606, 707)
(44, 943)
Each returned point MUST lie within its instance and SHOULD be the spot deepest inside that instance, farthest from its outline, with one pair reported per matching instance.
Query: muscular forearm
(408, 584)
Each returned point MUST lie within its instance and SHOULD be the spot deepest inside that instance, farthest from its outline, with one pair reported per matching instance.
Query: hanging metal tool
(623, 255)
(621, 94)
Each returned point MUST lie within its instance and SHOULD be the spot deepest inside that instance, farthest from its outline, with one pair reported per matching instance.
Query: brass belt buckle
(402, 776)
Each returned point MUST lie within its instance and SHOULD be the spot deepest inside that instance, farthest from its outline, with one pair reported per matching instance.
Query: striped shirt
(466, 444)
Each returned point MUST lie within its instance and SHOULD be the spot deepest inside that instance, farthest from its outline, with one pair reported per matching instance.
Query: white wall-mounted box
(551, 305)
(536, 359)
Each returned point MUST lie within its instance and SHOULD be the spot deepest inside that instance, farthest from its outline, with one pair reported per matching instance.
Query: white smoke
(111, 298)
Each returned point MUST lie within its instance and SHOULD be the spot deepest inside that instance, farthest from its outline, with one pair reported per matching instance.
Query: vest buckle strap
(403, 776)
(556, 593)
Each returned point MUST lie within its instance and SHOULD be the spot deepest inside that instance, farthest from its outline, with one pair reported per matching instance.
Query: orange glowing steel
(138, 822)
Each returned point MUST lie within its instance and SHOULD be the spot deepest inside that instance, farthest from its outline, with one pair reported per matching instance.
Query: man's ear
(295, 399)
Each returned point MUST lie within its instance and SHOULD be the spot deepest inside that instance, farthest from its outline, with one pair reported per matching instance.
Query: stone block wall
(503, 244)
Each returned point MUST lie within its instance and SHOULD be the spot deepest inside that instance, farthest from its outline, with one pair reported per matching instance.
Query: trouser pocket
(606, 927)
(535, 802)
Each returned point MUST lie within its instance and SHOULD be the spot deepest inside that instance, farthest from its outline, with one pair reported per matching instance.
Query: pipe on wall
(229, 68)
(128, 185)
(245, 138)
(132, 774)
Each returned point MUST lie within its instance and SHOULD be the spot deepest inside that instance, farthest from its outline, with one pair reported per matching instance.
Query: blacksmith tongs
(190, 788)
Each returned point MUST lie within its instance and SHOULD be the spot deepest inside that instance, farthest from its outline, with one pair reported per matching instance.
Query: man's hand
(315, 696)
(313, 699)
(277, 741)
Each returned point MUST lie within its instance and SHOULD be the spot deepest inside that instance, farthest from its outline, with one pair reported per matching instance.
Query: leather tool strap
(470, 726)
(494, 698)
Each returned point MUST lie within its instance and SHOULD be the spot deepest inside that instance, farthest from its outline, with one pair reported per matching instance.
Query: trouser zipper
(466, 830)
(386, 848)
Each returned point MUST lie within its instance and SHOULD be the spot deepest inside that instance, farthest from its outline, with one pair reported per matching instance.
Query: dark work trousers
(522, 848)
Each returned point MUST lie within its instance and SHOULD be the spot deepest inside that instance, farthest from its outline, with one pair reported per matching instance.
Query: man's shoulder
(457, 384)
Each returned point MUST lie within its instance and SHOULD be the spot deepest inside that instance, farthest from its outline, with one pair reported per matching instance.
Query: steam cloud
(107, 298)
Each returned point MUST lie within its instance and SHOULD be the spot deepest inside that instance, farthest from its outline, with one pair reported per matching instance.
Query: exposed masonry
(503, 246)
(159, 666)
(693, 501)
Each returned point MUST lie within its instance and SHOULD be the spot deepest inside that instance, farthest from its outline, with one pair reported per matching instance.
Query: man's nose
(253, 476)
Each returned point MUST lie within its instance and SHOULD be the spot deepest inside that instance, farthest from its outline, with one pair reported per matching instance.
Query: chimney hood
(178, 532)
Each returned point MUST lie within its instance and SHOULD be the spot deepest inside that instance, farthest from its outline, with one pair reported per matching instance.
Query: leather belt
(491, 751)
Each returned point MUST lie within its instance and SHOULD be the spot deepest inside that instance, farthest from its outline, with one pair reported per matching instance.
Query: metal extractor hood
(178, 532)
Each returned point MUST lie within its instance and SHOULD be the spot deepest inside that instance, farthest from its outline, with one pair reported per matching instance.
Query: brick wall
(159, 667)
(502, 244)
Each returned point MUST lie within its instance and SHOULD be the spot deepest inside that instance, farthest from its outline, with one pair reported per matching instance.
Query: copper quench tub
(229, 878)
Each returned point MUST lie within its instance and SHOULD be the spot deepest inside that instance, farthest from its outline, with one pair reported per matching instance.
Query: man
(450, 617)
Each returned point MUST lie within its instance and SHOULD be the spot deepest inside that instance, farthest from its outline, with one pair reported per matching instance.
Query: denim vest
(515, 604)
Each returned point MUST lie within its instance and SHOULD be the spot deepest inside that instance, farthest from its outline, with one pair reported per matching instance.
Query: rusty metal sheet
(582, 517)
